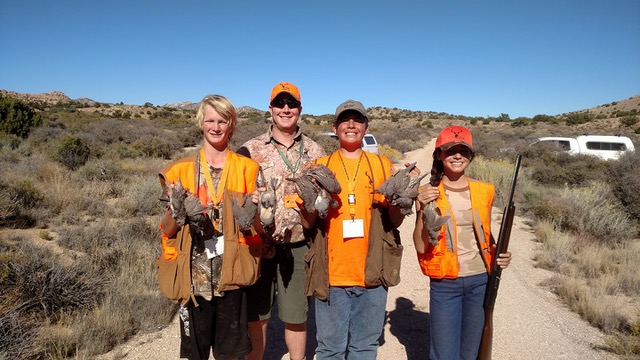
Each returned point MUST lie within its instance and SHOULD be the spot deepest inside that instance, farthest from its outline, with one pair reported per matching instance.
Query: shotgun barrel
(493, 283)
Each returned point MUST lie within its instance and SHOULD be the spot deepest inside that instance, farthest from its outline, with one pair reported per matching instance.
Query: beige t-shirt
(469, 256)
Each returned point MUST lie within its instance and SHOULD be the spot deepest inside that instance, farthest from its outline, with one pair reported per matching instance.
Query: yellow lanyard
(215, 194)
(351, 184)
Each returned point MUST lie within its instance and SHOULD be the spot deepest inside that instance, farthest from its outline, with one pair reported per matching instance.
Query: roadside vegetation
(79, 215)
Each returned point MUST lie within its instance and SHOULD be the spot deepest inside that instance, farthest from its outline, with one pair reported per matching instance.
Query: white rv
(607, 147)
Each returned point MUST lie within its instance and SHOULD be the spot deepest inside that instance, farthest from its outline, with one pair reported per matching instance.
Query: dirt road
(529, 321)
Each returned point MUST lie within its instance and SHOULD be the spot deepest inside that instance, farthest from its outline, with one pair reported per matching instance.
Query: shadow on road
(411, 327)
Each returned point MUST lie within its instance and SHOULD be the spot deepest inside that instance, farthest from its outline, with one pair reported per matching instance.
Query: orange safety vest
(441, 261)
(242, 250)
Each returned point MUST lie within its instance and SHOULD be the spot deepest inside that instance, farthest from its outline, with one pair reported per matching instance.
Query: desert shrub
(141, 198)
(155, 147)
(40, 284)
(625, 182)
(629, 120)
(559, 168)
(9, 141)
(590, 212)
(394, 155)
(602, 311)
(557, 248)
(504, 145)
(579, 118)
(403, 139)
(17, 117)
(25, 194)
(328, 143)
(496, 172)
(101, 170)
(72, 152)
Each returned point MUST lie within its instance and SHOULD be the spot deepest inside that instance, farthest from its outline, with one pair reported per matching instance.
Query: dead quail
(324, 177)
(433, 221)
(246, 214)
(195, 213)
(323, 201)
(267, 203)
(176, 203)
(307, 190)
(401, 189)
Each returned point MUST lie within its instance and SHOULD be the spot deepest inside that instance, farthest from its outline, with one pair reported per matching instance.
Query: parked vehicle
(607, 147)
(369, 142)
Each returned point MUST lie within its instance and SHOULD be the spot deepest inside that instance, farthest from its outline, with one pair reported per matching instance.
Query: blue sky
(464, 57)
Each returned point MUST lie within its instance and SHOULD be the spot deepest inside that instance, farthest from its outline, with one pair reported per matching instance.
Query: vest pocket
(240, 264)
(391, 260)
(172, 285)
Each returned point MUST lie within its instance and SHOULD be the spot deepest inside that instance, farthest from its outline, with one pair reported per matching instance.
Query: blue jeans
(456, 317)
(350, 323)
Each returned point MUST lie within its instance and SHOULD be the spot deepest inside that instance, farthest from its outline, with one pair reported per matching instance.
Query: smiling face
(455, 159)
(215, 128)
(351, 126)
(285, 111)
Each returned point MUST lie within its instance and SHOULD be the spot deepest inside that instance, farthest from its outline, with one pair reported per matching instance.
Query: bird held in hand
(267, 203)
(176, 203)
(307, 190)
(323, 201)
(401, 189)
(324, 177)
(433, 221)
(246, 214)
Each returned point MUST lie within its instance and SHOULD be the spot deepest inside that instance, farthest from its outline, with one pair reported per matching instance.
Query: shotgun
(494, 278)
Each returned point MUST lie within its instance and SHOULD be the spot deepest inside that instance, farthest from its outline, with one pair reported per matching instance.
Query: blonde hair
(222, 106)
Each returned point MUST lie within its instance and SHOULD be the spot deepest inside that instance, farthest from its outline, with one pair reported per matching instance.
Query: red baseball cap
(285, 87)
(454, 135)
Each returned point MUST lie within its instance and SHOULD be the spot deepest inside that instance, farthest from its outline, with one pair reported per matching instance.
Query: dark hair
(437, 169)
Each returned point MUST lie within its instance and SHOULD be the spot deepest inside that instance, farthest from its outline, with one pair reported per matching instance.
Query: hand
(426, 194)
(503, 259)
(414, 172)
(255, 196)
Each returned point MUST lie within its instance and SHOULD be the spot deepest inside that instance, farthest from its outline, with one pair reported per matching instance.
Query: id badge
(214, 247)
(290, 201)
(352, 228)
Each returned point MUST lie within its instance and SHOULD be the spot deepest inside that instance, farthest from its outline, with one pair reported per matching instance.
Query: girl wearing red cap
(457, 254)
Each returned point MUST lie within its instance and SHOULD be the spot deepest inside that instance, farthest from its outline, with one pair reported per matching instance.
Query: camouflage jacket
(264, 150)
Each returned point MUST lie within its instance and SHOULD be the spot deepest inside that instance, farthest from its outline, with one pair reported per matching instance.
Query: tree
(17, 117)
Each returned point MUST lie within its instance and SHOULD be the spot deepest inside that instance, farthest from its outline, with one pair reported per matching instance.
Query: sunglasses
(355, 118)
(462, 150)
(280, 103)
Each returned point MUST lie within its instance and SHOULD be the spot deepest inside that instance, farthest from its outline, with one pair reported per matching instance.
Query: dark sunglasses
(358, 119)
(463, 151)
(280, 103)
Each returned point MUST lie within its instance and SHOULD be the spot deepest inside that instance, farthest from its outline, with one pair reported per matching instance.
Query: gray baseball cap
(351, 105)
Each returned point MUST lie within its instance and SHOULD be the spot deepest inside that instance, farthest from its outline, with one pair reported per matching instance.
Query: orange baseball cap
(285, 87)
(454, 135)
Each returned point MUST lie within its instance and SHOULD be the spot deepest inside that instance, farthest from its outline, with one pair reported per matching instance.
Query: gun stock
(493, 283)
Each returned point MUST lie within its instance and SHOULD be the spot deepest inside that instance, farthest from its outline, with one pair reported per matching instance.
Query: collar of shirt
(296, 138)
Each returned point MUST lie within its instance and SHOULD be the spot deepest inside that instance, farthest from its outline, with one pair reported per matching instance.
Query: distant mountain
(612, 109)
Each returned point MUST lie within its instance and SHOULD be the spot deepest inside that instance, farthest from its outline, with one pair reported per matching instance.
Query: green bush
(625, 182)
(72, 152)
(17, 117)
(629, 120)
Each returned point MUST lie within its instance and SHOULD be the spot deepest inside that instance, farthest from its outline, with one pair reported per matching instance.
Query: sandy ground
(529, 321)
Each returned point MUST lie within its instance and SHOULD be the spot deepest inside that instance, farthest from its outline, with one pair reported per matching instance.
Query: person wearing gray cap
(354, 252)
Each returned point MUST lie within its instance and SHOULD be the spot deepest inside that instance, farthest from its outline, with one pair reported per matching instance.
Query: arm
(426, 194)
(418, 239)
(168, 223)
